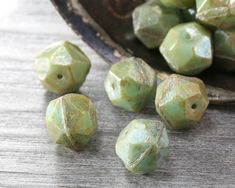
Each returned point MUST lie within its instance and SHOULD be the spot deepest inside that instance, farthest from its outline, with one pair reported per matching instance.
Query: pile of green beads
(181, 101)
(188, 48)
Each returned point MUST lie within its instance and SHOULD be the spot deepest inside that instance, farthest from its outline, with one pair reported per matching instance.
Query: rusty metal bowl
(106, 26)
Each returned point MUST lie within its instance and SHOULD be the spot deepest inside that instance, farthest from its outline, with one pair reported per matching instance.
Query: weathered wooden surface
(203, 157)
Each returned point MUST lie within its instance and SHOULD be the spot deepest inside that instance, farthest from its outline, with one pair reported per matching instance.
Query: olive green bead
(151, 22)
(187, 48)
(219, 13)
(62, 67)
(71, 121)
(224, 48)
(130, 83)
(178, 3)
(143, 145)
(181, 101)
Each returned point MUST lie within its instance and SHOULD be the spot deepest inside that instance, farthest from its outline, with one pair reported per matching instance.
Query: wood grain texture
(202, 157)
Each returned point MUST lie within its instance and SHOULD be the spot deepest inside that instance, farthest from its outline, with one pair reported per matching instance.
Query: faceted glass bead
(181, 101)
(224, 48)
(62, 67)
(178, 3)
(71, 121)
(219, 13)
(151, 22)
(187, 48)
(142, 145)
(130, 83)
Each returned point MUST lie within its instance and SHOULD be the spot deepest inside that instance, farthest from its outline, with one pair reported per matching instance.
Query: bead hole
(194, 106)
(113, 86)
(59, 76)
(187, 36)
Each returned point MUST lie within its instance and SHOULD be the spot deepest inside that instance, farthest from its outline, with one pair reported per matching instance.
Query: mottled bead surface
(181, 101)
(187, 48)
(62, 67)
(142, 145)
(130, 83)
(182, 4)
(224, 48)
(219, 13)
(71, 121)
(151, 22)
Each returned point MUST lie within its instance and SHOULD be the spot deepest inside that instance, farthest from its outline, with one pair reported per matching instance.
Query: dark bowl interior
(114, 18)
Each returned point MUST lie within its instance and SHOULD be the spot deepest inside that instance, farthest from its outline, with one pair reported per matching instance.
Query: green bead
(189, 15)
(224, 48)
(178, 3)
(187, 48)
(219, 13)
(130, 83)
(71, 121)
(151, 22)
(62, 67)
(181, 101)
(142, 145)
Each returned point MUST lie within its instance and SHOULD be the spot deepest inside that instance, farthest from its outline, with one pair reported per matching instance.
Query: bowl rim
(94, 36)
